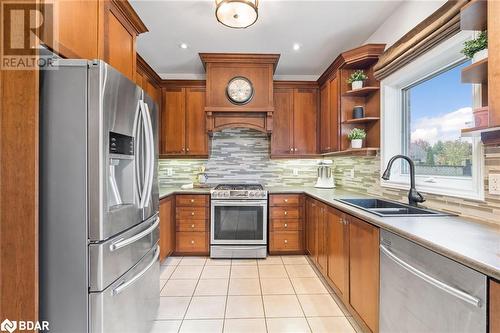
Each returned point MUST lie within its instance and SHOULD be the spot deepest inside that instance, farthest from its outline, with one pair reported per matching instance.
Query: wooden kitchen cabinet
(192, 234)
(77, 23)
(183, 126)
(321, 238)
(286, 235)
(329, 116)
(494, 305)
(119, 27)
(294, 122)
(304, 121)
(337, 251)
(167, 227)
(311, 225)
(282, 135)
(364, 271)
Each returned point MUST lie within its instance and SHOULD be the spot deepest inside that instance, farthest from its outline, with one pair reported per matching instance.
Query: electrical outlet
(170, 171)
(295, 171)
(351, 173)
(494, 183)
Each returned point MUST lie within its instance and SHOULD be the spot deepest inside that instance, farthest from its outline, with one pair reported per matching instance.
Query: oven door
(238, 222)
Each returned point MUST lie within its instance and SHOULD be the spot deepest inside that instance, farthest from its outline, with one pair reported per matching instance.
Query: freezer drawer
(131, 303)
(422, 291)
(111, 259)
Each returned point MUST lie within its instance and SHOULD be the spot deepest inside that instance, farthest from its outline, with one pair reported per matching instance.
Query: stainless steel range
(238, 221)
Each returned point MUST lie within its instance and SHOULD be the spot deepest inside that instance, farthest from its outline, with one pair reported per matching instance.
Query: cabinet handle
(291, 149)
(295, 149)
(286, 213)
(192, 200)
(192, 213)
(286, 225)
(187, 149)
(286, 241)
(192, 225)
(183, 149)
(286, 200)
(192, 242)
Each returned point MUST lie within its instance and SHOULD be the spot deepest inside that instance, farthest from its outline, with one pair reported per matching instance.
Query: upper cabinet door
(334, 114)
(196, 132)
(304, 121)
(282, 135)
(324, 119)
(77, 23)
(173, 122)
(118, 48)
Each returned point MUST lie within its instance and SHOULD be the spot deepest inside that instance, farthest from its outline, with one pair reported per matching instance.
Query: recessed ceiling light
(183, 45)
(296, 46)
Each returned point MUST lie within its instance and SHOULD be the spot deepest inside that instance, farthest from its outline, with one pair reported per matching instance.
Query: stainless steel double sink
(382, 207)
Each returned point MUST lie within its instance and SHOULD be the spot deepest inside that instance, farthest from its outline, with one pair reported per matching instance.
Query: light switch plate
(170, 171)
(295, 171)
(494, 183)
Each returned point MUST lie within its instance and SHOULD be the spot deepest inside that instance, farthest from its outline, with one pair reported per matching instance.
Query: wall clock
(239, 90)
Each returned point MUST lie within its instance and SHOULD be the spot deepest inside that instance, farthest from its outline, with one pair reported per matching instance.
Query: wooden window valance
(442, 24)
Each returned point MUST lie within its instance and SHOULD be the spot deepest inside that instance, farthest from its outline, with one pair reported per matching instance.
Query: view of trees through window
(436, 110)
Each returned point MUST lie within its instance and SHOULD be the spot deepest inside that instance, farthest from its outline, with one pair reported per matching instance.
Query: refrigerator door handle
(429, 279)
(136, 132)
(147, 168)
(127, 241)
(130, 282)
(151, 150)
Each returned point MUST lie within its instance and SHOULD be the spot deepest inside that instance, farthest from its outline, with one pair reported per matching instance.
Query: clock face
(239, 90)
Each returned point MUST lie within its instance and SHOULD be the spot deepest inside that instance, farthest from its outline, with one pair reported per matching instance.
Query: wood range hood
(220, 112)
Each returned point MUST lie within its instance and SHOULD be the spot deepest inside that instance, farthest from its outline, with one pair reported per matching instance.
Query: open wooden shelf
(476, 72)
(473, 16)
(354, 152)
(365, 91)
(361, 120)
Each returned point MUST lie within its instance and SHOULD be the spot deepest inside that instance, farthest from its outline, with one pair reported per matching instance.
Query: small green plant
(357, 75)
(472, 47)
(356, 133)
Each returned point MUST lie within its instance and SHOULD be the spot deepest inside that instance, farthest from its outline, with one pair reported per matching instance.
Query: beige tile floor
(278, 294)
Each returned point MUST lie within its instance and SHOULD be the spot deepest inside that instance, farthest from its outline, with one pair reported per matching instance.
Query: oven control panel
(238, 194)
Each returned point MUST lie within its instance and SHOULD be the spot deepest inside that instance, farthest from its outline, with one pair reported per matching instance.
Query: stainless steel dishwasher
(422, 291)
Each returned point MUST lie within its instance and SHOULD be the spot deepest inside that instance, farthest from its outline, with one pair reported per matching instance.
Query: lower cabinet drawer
(286, 241)
(285, 212)
(191, 242)
(189, 213)
(192, 225)
(286, 225)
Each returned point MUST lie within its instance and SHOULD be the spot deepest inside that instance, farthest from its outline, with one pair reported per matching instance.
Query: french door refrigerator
(99, 266)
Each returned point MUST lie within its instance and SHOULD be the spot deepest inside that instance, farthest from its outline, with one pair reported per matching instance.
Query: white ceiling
(322, 28)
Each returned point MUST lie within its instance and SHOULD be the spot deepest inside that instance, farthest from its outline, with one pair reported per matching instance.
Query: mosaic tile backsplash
(242, 155)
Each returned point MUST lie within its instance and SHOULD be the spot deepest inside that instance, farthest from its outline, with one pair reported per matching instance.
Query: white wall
(403, 19)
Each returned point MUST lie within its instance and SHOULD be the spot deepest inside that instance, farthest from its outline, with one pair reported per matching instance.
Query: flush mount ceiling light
(237, 13)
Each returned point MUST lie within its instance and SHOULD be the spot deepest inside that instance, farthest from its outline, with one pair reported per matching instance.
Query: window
(425, 106)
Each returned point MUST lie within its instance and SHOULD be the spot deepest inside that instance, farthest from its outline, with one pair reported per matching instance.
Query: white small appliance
(325, 175)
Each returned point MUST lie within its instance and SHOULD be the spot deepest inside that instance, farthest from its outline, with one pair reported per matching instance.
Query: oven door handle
(237, 202)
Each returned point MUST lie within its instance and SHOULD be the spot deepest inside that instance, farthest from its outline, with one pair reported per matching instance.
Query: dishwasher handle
(429, 279)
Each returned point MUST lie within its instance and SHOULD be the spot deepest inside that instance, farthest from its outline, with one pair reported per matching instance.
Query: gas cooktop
(238, 191)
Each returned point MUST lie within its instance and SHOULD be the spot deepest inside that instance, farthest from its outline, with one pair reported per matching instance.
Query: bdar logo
(9, 326)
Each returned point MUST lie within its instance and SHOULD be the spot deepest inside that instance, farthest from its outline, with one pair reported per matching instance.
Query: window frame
(441, 57)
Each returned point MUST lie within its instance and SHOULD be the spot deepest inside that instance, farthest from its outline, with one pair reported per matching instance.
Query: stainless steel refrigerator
(99, 266)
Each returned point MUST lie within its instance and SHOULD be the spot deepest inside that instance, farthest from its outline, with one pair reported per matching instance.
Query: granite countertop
(473, 244)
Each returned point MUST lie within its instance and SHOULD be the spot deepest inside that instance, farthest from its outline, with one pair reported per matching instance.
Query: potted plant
(356, 79)
(477, 48)
(356, 135)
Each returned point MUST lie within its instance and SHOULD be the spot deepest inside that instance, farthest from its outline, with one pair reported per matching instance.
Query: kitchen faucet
(413, 196)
